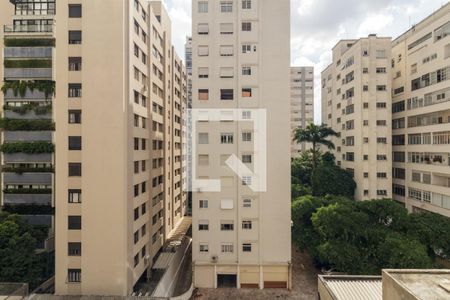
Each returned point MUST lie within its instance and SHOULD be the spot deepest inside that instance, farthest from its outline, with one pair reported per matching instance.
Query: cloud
(317, 25)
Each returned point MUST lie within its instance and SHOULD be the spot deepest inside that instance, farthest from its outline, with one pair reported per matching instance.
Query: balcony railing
(28, 28)
(39, 73)
(27, 136)
(27, 199)
(27, 52)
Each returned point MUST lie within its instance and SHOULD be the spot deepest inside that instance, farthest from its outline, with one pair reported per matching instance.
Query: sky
(317, 25)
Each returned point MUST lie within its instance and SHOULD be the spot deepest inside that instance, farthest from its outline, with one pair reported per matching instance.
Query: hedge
(27, 147)
(19, 87)
(27, 42)
(20, 170)
(27, 125)
(28, 63)
(27, 191)
(23, 109)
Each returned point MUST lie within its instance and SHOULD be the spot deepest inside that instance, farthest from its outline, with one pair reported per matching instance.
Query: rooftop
(347, 287)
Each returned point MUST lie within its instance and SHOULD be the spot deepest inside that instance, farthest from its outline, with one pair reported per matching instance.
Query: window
(246, 180)
(204, 248)
(381, 70)
(203, 94)
(381, 54)
(246, 115)
(246, 4)
(74, 169)
(74, 249)
(226, 50)
(226, 28)
(74, 196)
(381, 104)
(74, 90)
(246, 92)
(74, 222)
(74, 116)
(226, 248)
(203, 138)
(246, 247)
(203, 160)
(74, 10)
(246, 26)
(247, 225)
(247, 203)
(226, 226)
(74, 275)
(203, 204)
(74, 142)
(247, 158)
(226, 6)
(203, 72)
(203, 28)
(381, 88)
(74, 37)
(226, 72)
(246, 136)
(226, 138)
(136, 213)
(203, 225)
(74, 63)
(226, 94)
(246, 71)
(202, 6)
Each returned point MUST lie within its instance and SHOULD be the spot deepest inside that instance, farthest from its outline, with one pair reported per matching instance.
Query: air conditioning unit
(214, 258)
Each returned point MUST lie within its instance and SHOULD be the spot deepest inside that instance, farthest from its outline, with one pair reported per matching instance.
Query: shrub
(28, 147)
(19, 87)
(27, 125)
(27, 42)
(28, 63)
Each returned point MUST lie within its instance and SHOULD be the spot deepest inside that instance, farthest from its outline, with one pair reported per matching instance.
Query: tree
(316, 135)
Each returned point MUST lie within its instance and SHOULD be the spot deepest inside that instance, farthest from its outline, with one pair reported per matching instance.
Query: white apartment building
(356, 103)
(302, 104)
(241, 56)
(421, 115)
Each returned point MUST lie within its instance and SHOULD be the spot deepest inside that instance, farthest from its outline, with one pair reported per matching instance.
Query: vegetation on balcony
(20, 170)
(27, 191)
(27, 63)
(19, 87)
(27, 42)
(27, 125)
(29, 209)
(23, 109)
(27, 147)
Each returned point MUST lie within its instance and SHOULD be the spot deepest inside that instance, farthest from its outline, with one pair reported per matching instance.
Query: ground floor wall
(242, 276)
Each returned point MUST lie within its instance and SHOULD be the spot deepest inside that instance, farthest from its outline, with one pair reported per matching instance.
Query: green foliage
(27, 191)
(330, 179)
(27, 42)
(27, 147)
(19, 87)
(30, 209)
(365, 237)
(27, 63)
(20, 170)
(301, 169)
(23, 109)
(27, 125)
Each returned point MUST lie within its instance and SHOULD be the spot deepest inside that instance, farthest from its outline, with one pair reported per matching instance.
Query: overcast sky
(317, 25)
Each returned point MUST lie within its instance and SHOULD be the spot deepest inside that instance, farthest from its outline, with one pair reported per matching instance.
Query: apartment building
(356, 103)
(188, 137)
(118, 111)
(27, 144)
(241, 72)
(421, 115)
(302, 104)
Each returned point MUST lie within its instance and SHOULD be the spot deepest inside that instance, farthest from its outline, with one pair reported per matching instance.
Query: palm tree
(316, 135)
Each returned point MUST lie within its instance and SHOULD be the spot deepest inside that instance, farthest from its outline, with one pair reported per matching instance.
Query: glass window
(74, 10)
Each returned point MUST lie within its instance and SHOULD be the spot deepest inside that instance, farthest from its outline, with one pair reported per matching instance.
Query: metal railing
(27, 28)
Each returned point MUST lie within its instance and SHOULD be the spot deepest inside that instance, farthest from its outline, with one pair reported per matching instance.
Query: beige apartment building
(302, 104)
(356, 103)
(241, 72)
(421, 115)
(118, 111)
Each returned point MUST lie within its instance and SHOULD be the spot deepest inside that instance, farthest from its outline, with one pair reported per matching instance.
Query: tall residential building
(356, 103)
(118, 111)
(302, 103)
(241, 74)
(188, 137)
(421, 115)
(27, 181)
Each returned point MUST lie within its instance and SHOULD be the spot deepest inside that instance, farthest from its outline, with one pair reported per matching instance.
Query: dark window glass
(74, 169)
(74, 36)
(74, 116)
(74, 10)
(74, 196)
(74, 222)
(74, 63)
(226, 94)
(74, 275)
(74, 90)
(74, 249)
(74, 142)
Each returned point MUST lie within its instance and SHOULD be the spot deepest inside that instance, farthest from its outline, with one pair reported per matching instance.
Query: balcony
(28, 52)
(30, 136)
(39, 28)
(27, 199)
(29, 115)
(27, 158)
(28, 178)
(29, 95)
(28, 73)
(38, 220)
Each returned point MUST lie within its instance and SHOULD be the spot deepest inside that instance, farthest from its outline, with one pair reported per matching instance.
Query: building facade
(356, 103)
(119, 189)
(241, 71)
(421, 115)
(302, 104)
